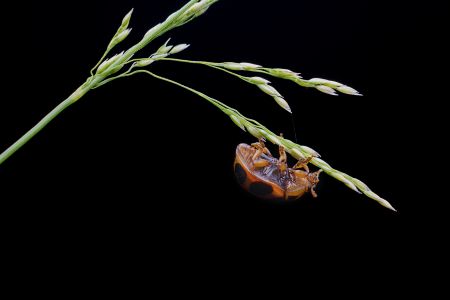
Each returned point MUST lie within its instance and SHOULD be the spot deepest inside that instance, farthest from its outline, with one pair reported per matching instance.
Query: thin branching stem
(206, 64)
(211, 100)
(186, 13)
(323, 85)
(106, 69)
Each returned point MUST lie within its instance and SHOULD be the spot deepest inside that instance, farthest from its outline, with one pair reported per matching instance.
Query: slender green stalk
(205, 63)
(211, 100)
(195, 62)
(47, 119)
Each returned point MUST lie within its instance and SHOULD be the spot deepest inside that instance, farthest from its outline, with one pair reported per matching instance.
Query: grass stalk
(106, 69)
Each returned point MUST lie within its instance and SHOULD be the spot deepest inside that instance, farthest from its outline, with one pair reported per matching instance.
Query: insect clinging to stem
(267, 177)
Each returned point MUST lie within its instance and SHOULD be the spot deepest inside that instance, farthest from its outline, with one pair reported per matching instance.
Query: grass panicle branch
(297, 151)
(325, 86)
(106, 69)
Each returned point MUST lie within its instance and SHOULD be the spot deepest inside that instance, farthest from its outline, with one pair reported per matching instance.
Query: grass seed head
(153, 30)
(237, 121)
(296, 153)
(164, 49)
(281, 102)
(108, 62)
(326, 89)
(233, 66)
(250, 66)
(310, 151)
(380, 200)
(341, 178)
(361, 185)
(273, 138)
(254, 131)
(321, 162)
(126, 20)
(258, 80)
(121, 36)
(144, 62)
(197, 9)
(326, 82)
(348, 90)
(179, 48)
(270, 90)
(284, 73)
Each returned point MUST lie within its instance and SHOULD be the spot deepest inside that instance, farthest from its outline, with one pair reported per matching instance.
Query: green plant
(109, 69)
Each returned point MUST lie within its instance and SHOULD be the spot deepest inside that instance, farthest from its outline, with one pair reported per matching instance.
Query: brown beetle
(264, 176)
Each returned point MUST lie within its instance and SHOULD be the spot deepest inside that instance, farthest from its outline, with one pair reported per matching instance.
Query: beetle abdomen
(254, 184)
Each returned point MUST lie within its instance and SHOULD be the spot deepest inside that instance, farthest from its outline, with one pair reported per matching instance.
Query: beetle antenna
(293, 128)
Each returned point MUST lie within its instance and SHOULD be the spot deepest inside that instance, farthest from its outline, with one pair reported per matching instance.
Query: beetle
(264, 176)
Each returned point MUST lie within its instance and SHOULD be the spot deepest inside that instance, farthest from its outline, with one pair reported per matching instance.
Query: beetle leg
(313, 192)
(257, 155)
(313, 179)
(261, 163)
(282, 160)
(261, 146)
(257, 161)
(303, 164)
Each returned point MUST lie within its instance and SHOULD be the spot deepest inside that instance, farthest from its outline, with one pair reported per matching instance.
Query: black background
(140, 161)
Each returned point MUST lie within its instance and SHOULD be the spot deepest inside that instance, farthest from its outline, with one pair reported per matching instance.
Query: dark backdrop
(140, 159)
